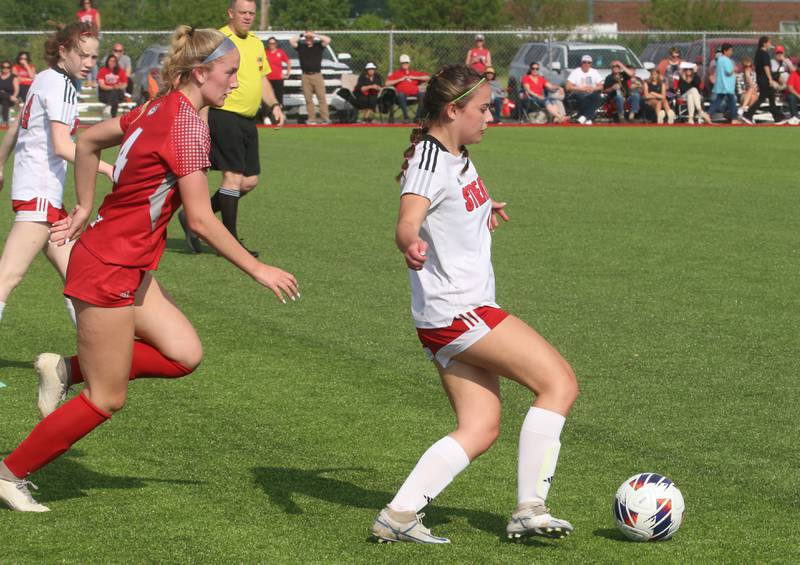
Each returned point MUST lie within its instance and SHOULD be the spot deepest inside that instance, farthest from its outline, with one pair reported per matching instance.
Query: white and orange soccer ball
(648, 507)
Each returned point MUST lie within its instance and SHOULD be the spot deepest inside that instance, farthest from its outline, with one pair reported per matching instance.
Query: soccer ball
(648, 507)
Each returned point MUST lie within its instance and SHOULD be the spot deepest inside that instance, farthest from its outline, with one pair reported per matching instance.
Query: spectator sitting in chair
(125, 62)
(479, 57)
(406, 84)
(111, 83)
(781, 66)
(670, 68)
(498, 93)
(793, 95)
(366, 91)
(655, 96)
(746, 87)
(584, 85)
(617, 88)
(689, 87)
(536, 94)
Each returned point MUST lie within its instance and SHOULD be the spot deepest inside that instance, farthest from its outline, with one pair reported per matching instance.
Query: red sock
(54, 435)
(148, 362)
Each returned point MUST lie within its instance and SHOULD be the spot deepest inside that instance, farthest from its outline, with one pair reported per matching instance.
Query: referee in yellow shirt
(234, 136)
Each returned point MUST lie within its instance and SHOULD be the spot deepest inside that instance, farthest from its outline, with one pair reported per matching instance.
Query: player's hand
(70, 228)
(498, 209)
(278, 281)
(278, 115)
(416, 255)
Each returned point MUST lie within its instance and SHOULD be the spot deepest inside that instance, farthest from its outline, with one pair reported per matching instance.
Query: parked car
(333, 67)
(742, 47)
(150, 60)
(568, 56)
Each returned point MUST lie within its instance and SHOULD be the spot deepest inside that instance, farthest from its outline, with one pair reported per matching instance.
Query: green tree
(314, 14)
(447, 14)
(35, 14)
(546, 14)
(696, 15)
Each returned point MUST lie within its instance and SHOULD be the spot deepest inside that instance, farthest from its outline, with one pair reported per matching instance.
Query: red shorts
(37, 210)
(443, 344)
(92, 281)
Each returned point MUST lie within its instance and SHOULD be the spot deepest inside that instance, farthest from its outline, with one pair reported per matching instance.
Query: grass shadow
(66, 478)
(280, 484)
(178, 245)
(613, 534)
(5, 363)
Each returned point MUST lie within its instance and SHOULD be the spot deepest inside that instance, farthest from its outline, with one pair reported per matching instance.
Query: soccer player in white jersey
(443, 231)
(44, 146)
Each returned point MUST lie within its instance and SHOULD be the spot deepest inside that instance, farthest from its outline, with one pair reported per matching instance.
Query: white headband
(221, 50)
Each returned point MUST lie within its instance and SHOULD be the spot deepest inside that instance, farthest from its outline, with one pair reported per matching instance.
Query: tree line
(376, 14)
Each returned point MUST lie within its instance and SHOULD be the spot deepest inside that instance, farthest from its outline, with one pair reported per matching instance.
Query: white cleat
(534, 519)
(17, 496)
(53, 381)
(391, 526)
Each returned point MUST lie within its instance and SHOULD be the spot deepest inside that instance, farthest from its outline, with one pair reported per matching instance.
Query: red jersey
(536, 84)
(794, 81)
(87, 16)
(276, 59)
(408, 87)
(111, 78)
(25, 78)
(478, 58)
(162, 141)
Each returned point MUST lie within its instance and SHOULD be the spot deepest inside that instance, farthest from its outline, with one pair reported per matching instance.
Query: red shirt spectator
(88, 14)
(23, 69)
(535, 84)
(276, 59)
(479, 57)
(112, 78)
(794, 81)
(408, 80)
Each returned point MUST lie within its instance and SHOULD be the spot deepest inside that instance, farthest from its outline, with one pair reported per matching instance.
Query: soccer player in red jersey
(164, 146)
(443, 231)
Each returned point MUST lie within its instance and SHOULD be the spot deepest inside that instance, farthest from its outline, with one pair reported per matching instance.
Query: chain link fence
(511, 51)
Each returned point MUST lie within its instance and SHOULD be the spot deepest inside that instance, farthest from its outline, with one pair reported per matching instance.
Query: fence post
(391, 50)
(705, 53)
(549, 52)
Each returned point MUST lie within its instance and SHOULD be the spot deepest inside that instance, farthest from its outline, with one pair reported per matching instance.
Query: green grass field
(661, 262)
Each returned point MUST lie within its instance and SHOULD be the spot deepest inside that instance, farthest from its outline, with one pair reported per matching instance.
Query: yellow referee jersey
(253, 67)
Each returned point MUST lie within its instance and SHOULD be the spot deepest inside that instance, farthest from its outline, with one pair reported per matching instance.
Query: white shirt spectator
(582, 79)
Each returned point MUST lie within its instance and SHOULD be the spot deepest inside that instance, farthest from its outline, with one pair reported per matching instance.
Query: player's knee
(110, 401)
(249, 183)
(564, 388)
(482, 434)
(190, 358)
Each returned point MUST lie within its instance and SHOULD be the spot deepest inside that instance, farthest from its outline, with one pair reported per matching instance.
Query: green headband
(477, 84)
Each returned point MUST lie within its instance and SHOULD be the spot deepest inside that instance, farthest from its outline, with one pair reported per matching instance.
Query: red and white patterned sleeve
(189, 143)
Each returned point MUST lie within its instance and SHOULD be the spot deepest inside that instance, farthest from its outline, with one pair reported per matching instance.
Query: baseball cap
(490, 70)
(686, 65)
(370, 65)
(780, 49)
(405, 58)
(586, 59)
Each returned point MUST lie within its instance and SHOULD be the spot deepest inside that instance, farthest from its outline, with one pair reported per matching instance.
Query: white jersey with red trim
(457, 276)
(38, 171)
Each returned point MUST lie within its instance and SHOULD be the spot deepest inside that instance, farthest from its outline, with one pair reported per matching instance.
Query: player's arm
(194, 194)
(269, 98)
(288, 65)
(65, 148)
(324, 39)
(9, 140)
(86, 156)
(413, 209)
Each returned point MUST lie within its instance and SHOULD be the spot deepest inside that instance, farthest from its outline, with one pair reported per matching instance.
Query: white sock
(71, 310)
(2, 307)
(434, 471)
(538, 453)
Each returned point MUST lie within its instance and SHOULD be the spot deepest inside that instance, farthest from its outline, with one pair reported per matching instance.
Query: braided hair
(451, 85)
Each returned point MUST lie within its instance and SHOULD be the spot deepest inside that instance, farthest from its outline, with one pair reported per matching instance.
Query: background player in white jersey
(443, 230)
(43, 148)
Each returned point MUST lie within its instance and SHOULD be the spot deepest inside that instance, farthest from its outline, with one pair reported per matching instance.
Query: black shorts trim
(234, 143)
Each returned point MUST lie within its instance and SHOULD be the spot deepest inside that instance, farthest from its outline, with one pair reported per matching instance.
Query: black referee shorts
(234, 143)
